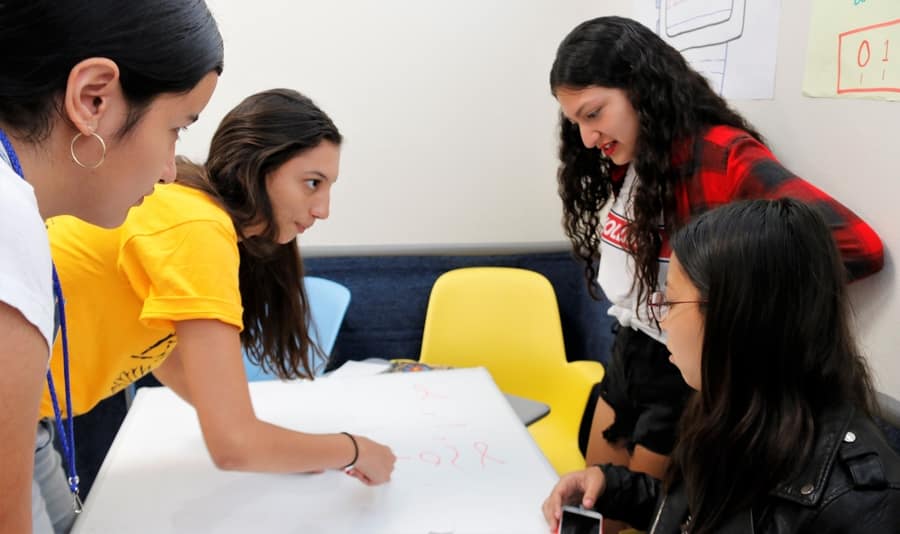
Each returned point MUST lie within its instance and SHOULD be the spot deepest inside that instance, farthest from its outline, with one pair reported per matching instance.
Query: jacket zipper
(663, 505)
(658, 513)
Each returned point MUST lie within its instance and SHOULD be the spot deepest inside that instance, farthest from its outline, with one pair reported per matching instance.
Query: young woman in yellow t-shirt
(205, 265)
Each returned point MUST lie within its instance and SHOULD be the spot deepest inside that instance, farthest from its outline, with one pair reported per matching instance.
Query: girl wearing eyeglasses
(778, 436)
(642, 133)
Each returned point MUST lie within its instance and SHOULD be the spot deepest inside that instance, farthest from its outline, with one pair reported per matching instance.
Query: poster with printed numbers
(465, 463)
(854, 50)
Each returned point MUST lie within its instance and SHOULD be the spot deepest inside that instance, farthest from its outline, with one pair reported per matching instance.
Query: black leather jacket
(851, 484)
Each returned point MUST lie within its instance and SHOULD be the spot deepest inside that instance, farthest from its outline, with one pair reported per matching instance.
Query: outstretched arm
(206, 369)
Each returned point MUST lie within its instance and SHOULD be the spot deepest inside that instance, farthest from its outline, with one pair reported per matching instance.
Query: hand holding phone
(576, 520)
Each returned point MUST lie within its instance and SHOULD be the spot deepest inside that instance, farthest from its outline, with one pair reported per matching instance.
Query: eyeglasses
(659, 306)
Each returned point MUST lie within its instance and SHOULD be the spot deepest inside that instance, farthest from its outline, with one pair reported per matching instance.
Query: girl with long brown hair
(206, 265)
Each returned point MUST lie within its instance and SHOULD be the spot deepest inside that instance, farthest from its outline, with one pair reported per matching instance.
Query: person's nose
(322, 206)
(168, 175)
(588, 136)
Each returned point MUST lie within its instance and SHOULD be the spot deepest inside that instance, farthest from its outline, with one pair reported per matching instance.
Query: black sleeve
(629, 497)
(860, 511)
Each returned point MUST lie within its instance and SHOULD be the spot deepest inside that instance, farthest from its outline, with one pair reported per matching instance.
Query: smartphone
(577, 520)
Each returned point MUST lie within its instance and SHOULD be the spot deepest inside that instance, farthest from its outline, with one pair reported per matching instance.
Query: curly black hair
(674, 105)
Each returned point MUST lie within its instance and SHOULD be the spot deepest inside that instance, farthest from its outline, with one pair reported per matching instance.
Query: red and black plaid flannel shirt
(729, 164)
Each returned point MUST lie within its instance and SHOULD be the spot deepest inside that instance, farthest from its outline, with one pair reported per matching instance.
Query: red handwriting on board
(430, 458)
(447, 453)
(455, 456)
(480, 450)
(866, 63)
(425, 394)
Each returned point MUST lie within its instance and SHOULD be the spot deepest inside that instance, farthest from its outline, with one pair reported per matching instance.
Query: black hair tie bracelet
(352, 463)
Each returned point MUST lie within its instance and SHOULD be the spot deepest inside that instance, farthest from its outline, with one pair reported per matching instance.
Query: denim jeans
(51, 501)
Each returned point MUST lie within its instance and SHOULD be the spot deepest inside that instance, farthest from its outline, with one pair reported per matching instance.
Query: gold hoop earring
(78, 161)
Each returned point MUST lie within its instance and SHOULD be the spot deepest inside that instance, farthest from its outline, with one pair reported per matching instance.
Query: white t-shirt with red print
(616, 273)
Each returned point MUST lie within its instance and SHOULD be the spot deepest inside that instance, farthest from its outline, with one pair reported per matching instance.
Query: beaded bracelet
(355, 452)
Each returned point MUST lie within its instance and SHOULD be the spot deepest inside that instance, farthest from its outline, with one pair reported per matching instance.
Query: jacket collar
(808, 485)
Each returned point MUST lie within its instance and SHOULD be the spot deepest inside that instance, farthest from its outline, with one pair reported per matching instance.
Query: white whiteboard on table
(465, 463)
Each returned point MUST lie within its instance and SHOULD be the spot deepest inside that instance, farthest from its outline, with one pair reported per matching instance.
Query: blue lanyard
(67, 438)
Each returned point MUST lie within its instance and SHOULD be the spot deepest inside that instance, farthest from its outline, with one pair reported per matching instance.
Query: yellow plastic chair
(507, 320)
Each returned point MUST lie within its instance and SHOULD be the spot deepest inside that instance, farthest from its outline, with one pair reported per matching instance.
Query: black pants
(646, 391)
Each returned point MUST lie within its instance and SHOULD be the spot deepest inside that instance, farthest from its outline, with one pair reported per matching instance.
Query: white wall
(450, 126)
(445, 106)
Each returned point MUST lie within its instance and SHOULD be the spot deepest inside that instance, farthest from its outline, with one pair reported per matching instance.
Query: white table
(528, 410)
(465, 463)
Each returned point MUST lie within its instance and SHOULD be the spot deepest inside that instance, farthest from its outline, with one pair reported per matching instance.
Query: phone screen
(579, 521)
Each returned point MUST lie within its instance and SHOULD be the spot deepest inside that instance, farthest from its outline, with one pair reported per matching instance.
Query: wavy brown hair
(778, 351)
(674, 105)
(254, 139)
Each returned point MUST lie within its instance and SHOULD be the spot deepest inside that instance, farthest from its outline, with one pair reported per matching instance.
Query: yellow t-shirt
(175, 258)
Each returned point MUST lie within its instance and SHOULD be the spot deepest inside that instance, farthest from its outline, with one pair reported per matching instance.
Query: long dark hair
(674, 105)
(262, 133)
(777, 350)
(159, 46)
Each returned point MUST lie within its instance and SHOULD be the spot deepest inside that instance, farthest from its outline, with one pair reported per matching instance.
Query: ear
(92, 84)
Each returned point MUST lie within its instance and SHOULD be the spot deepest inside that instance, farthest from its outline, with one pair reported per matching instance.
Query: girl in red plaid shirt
(644, 135)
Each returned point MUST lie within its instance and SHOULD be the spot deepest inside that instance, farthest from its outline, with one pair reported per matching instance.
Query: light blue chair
(328, 302)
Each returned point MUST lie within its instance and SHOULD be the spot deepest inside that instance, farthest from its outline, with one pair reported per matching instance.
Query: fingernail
(588, 503)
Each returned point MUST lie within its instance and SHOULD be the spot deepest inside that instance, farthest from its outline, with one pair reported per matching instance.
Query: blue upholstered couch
(390, 296)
